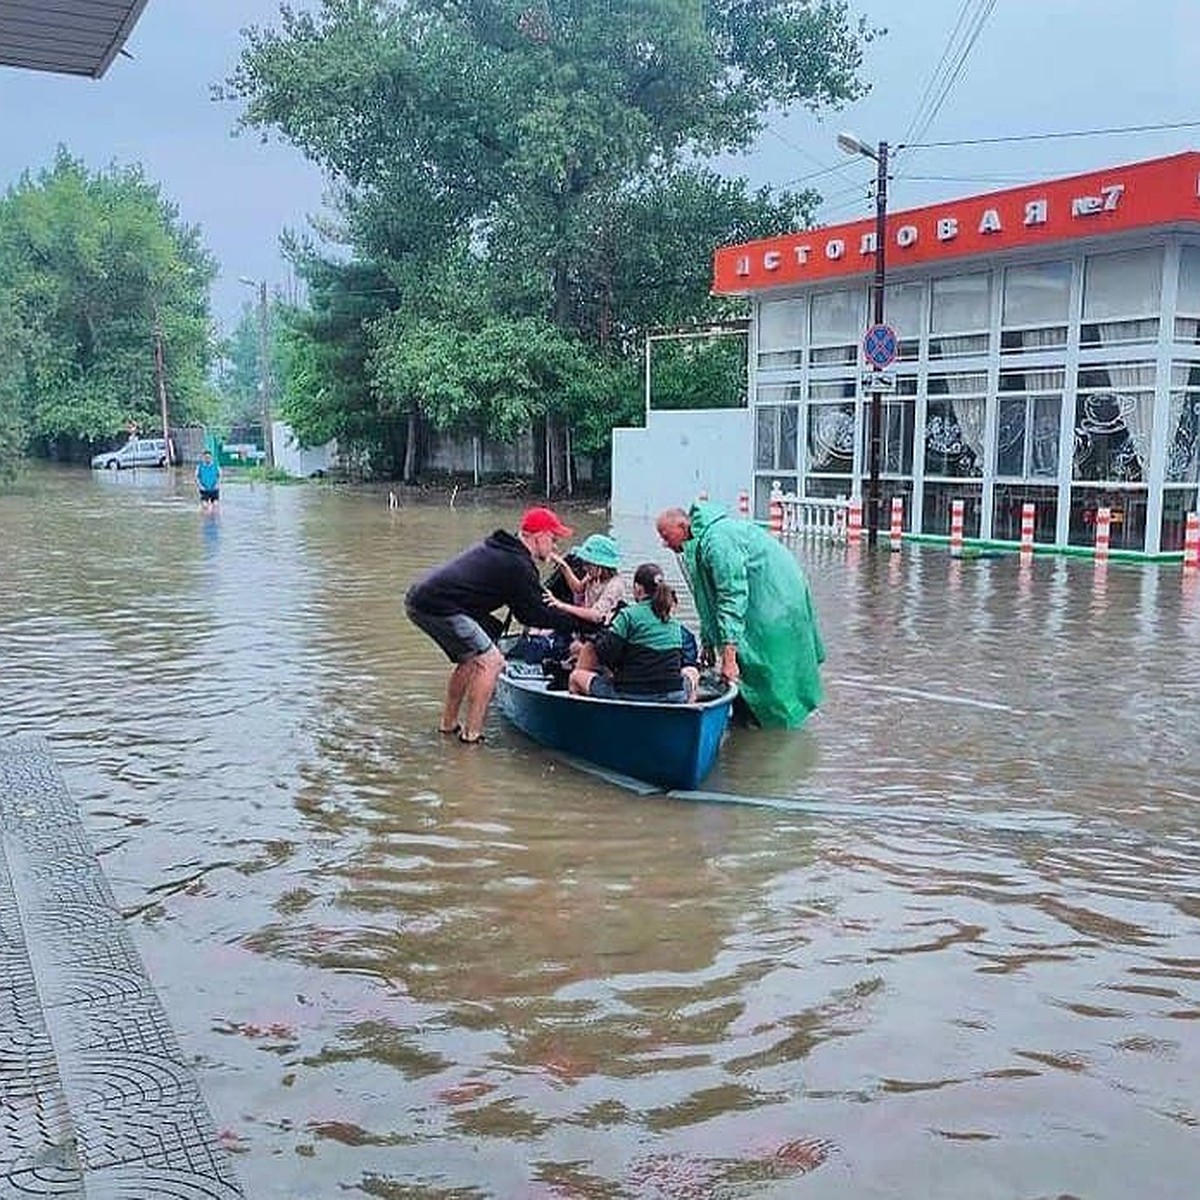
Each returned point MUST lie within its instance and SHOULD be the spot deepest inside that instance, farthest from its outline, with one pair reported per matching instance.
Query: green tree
(90, 265)
(557, 140)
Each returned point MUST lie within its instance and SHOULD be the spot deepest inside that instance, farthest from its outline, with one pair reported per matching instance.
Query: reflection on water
(954, 951)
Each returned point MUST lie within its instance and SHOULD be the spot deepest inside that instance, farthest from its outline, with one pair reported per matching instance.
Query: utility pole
(264, 372)
(875, 500)
(853, 145)
(160, 375)
(264, 364)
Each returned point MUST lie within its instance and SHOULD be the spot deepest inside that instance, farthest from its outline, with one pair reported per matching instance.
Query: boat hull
(668, 745)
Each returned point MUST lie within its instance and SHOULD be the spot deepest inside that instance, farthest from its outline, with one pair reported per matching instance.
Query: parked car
(137, 452)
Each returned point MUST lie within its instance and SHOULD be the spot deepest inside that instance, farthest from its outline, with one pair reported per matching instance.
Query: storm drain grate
(95, 1096)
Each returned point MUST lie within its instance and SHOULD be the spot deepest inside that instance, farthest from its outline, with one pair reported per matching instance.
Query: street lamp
(850, 144)
(264, 365)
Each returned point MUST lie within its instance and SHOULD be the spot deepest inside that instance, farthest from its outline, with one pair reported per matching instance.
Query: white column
(1155, 472)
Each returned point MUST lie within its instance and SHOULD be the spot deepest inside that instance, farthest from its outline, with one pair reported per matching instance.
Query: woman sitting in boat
(642, 649)
(600, 590)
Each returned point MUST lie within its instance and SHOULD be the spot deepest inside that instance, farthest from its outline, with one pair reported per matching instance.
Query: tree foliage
(89, 265)
(545, 156)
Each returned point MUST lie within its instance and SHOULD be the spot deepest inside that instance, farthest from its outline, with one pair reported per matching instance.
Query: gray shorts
(460, 637)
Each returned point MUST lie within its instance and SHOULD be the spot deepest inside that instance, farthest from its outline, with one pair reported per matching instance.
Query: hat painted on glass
(544, 520)
(600, 551)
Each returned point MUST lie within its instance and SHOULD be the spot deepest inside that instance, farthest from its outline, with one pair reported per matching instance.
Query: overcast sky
(1037, 66)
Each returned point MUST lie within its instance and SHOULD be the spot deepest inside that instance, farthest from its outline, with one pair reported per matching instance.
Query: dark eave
(68, 37)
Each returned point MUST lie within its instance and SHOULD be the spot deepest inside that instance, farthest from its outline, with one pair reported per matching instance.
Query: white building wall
(291, 457)
(677, 456)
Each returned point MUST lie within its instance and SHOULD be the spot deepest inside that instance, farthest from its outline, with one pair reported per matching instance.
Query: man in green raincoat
(755, 608)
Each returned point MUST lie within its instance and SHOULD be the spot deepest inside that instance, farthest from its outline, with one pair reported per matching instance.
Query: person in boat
(600, 589)
(455, 605)
(756, 611)
(640, 655)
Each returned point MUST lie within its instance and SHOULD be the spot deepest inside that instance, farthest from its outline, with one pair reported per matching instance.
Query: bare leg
(486, 668)
(587, 659)
(456, 689)
(691, 681)
(579, 681)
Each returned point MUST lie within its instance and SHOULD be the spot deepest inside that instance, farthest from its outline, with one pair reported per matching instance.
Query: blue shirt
(208, 474)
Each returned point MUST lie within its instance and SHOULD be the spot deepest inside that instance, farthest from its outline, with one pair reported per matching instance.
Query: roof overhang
(68, 37)
(1161, 192)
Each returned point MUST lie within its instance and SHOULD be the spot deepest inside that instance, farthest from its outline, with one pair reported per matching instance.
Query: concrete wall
(295, 460)
(677, 456)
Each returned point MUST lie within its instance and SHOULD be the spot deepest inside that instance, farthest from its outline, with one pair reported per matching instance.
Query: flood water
(952, 951)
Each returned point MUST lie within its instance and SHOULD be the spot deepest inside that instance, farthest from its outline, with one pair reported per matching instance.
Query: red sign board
(1160, 192)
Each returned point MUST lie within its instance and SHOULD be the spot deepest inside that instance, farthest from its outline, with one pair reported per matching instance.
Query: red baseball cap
(544, 520)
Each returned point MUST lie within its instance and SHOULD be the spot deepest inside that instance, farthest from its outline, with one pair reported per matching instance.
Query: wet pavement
(951, 948)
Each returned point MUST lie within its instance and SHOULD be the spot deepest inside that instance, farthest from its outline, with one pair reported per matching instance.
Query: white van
(137, 452)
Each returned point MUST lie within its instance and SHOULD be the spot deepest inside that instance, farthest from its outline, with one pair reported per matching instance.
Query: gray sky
(1037, 66)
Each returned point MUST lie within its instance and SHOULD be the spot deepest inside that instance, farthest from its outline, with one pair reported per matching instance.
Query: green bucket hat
(600, 551)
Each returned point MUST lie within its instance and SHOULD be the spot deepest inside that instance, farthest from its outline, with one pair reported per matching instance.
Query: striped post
(1103, 533)
(775, 510)
(702, 496)
(743, 503)
(854, 521)
(1028, 513)
(897, 521)
(1191, 542)
(957, 509)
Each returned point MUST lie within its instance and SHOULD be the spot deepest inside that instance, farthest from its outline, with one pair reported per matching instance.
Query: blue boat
(672, 746)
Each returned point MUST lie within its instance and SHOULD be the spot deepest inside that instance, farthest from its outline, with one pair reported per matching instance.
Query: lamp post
(264, 365)
(848, 143)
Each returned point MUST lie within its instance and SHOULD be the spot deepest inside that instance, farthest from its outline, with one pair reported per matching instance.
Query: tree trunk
(409, 473)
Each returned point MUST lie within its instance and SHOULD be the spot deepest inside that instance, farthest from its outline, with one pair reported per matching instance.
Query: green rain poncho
(750, 591)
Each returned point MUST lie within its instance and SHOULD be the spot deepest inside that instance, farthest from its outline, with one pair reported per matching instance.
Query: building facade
(1048, 351)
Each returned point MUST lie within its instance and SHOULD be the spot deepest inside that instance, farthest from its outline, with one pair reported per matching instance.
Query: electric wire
(1045, 137)
(982, 13)
(936, 73)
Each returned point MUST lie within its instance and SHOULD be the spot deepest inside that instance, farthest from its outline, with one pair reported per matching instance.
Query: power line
(1043, 137)
(980, 19)
(933, 78)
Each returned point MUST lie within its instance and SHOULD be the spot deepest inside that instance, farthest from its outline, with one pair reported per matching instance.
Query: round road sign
(879, 346)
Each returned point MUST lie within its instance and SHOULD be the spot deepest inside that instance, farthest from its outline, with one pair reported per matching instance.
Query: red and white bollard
(957, 509)
(775, 510)
(743, 503)
(897, 521)
(1191, 542)
(1103, 533)
(1028, 513)
(854, 521)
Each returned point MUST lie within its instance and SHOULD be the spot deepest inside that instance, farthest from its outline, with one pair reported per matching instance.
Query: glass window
(837, 317)
(938, 508)
(831, 439)
(1010, 499)
(775, 431)
(1127, 516)
(897, 421)
(1183, 424)
(1027, 436)
(1125, 284)
(781, 324)
(832, 389)
(1188, 302)
(954, 422)
(902, 304)
(1114, 415)
(961, 304)
(781, 328)
(1039, 294)
(1177, 503)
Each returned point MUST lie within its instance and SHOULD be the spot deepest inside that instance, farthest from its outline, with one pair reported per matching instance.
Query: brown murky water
(956, 952)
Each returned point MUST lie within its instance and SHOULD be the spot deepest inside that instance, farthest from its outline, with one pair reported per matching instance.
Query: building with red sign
(1048, 351)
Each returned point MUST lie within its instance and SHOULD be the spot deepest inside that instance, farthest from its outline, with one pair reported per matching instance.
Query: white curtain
(1183, 446)
(971, 414)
